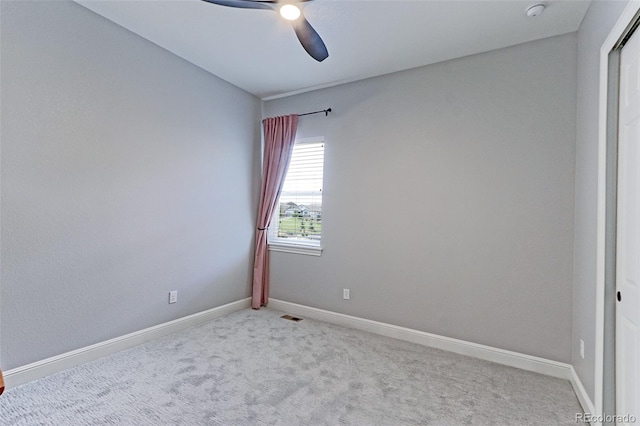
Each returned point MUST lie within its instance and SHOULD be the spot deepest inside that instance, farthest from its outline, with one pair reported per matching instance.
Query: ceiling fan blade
(310, 39)
(244, 4)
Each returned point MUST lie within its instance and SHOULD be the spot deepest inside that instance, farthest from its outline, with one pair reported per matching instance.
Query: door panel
(628, 236)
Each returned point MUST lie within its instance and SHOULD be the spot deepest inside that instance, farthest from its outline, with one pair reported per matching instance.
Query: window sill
(296, 249)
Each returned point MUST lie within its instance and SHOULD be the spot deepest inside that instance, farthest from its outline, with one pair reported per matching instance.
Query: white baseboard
(488, 353)
(581, 393)
(39, 369)
(36, 370)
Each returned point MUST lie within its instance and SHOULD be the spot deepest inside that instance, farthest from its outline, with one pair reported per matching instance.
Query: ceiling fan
(290, 11)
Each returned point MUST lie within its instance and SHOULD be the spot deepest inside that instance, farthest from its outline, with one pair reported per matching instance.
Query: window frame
(285, 245)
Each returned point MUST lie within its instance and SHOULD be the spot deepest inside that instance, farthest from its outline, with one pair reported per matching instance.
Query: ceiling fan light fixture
(290, 12)
(307, 35)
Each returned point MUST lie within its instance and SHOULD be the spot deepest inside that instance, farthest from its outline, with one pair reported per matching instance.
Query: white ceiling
(258, 51)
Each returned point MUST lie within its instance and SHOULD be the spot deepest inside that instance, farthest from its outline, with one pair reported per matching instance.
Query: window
(297, 223)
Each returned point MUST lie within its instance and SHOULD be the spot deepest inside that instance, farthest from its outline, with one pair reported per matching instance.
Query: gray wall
(595, 28)
(126, 172)
(448, 199)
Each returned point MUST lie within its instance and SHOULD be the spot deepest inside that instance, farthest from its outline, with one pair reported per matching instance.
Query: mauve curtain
(279, 137)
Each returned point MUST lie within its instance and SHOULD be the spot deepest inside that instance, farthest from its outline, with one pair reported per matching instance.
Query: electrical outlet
(345, 293)
(173, 296)
(581, 348)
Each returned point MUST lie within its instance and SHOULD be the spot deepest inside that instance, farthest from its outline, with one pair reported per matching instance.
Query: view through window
(298, 219)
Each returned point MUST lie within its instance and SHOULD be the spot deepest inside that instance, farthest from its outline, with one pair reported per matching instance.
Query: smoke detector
(535, 10)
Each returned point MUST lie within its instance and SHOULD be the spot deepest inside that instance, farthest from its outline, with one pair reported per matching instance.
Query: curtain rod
(326, 112)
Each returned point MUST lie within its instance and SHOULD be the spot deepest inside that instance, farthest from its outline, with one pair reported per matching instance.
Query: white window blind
(298, 218)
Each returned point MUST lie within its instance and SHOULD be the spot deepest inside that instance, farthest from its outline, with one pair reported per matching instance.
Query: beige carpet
(254, 368)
